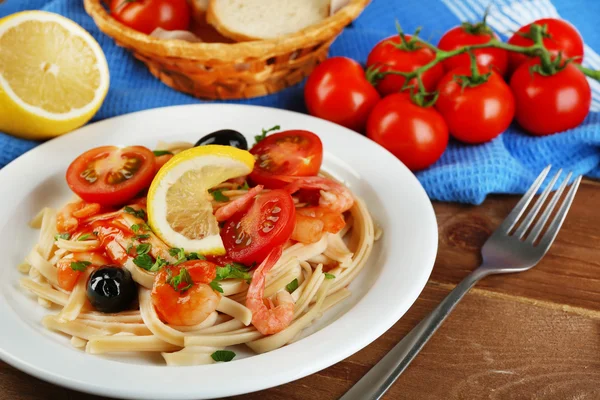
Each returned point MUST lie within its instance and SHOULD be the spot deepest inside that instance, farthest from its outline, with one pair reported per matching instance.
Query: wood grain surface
(533, 335)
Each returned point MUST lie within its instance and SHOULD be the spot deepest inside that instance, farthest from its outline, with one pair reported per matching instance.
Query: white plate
(389, 284)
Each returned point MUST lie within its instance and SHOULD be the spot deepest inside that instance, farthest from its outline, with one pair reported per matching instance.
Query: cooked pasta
(304, 280)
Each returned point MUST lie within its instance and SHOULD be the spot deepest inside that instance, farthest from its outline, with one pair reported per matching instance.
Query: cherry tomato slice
(110, 175)
(249, 237)
(292, 153)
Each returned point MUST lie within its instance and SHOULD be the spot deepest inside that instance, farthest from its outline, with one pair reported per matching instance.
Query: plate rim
(281, 378)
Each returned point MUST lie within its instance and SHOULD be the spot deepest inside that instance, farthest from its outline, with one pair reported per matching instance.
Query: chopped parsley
(263, 135)
(233, 271)
(292, 286)
(158, 264)
(64, 236)
(129, 248)
(143, 261)
(216, 286)
(176, 281)
(136, 213)
(159, 153)
(84, 237)
(143, 248)
(219, 196)
(223, 355)
(329, 276)
(245, 186)
(195, 256)
(179, 253)
(142, 236)
(137, 227)
(79, 265)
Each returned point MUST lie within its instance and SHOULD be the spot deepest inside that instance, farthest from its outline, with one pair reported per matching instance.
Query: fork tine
(520, 232)
(560, 215)
(516, 212)
(537, 229)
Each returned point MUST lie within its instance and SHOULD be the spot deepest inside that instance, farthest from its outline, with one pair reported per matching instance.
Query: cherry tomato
(549, 104)
(338, 91)
(295, 153)
(147, 15)
(387, 57)
(110, 175)
(461, 36)
(249, 237)
(564, 38)
(161, 160)
(475, 114)
(416, 135)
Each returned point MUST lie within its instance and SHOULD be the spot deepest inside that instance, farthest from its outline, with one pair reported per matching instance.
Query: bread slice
(244, 20)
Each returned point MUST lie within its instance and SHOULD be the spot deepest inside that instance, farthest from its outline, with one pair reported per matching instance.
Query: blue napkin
(465, 173)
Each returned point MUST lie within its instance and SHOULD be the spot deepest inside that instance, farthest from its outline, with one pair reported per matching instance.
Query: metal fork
(507, 250)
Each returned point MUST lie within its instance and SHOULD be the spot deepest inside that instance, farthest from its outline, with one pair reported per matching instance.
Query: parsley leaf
(223, 355)
(143, 261)
(135, 228)
(183, 277)
(195, 256)
(219, 196)
(232, 271)
(79, 265)
(65, 236)
(143, 248)
(329, 276)
(129, 248)
(159, 153)
(179, 253)
(293, 285)
(142, 236)
(136, 213)
(216, 286)
(263, 135)
(158, 264)
(84, 237)
(244, 186)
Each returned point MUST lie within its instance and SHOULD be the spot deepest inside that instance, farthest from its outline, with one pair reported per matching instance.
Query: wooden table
(533, 335)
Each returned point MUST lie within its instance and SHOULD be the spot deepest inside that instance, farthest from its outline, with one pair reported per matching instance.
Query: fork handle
(379, 379)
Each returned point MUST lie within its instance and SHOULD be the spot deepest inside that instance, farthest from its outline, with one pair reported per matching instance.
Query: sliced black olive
(224, 137)
(111, 289)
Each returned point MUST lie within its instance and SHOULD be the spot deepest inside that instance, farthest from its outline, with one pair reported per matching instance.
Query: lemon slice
(53, 75)
(179, 204)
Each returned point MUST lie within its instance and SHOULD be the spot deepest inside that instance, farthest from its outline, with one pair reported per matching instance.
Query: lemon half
(53, 75)
(179, 204)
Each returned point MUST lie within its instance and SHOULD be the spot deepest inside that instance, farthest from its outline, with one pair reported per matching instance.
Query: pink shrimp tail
(239, 204)
(268, 320)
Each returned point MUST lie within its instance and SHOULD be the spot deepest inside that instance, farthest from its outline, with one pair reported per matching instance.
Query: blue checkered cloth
(465, 173)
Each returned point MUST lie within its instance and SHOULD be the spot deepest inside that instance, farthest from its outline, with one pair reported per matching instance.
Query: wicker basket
(235, 70)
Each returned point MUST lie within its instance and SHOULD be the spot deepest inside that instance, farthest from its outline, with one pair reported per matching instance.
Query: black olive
(224, 137)
(111, 289)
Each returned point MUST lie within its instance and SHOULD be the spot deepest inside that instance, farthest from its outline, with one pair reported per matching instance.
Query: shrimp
(275, 318)
(239, 204)
(67, 219)
(67, 276)
(313, 222)
(334, 196)
(181, 294)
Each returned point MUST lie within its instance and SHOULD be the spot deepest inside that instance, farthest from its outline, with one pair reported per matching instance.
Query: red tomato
(295, 153)
(549, 104)
(416, 135)
(387, 57)
(460, 36)
(338, 91)
(147, 15)
(564, 38)
(250, 237)
(110, 175)
(475, 114)
(161, 160)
